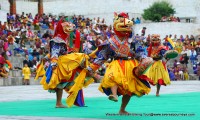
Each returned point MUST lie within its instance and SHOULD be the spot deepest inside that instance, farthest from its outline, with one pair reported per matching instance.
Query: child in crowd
(186, 75)
(26, 72)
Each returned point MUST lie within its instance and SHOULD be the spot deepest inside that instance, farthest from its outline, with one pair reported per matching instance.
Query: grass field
(169, 106)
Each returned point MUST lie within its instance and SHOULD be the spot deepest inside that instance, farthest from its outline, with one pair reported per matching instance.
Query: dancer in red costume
(66, 70)
(157, 72)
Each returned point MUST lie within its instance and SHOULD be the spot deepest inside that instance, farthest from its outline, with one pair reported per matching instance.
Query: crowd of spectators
(28, 36)
(188, 48)
(136, 21)
(170, 19)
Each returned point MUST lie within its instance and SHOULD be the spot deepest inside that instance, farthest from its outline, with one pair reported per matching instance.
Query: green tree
(158, 10)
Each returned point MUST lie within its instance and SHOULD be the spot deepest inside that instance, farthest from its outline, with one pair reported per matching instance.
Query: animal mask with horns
(122, 25)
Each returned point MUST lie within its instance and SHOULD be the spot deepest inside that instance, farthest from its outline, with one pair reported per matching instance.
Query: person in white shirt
(193, 56)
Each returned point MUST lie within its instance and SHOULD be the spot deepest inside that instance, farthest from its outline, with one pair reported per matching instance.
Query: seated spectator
(35, 64)
(30, 56)
(181, 72)
(1, 45)
(176, 73)
(164, 19)
(38, 43)
(9, 64)
(175, 63)
(3, 72)
(46, 34)
(137, 21)
(36, 54)
(171, 74)
(195, 68)
(133, 20)
(193, 42)
(2, 58)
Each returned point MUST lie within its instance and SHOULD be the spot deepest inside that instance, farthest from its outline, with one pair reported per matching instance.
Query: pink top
(5, 46)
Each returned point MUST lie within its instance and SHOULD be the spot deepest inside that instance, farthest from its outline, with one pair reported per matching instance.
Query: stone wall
(166, 28)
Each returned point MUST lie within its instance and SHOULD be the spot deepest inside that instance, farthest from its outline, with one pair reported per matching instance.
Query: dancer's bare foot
(113, 98)
(61, 106)
(157, 95)
(123, 112)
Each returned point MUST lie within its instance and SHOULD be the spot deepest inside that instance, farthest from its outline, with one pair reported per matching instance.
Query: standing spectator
(8, 18)
(178, 19)
(193, 56)
(186, 74)
(27, 61)
(36, 23)
(26, 72)
(35, 62)
(143, 31)
(148, 39)
(184, 59)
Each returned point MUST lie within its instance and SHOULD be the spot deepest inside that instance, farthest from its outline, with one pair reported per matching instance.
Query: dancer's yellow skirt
(69, 72)
(119, 72)
(157, 73)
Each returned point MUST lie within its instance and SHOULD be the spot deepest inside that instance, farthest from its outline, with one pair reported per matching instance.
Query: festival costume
(66, 70)
(157, 72)
(119, 71)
